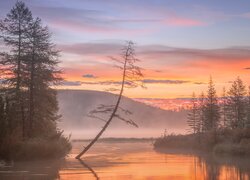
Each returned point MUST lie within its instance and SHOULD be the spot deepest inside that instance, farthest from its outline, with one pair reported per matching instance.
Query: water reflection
(130, 161)
(36, 170)
(89, 168)
(225, 167)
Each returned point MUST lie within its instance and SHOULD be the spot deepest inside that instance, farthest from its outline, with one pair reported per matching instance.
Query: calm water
(124, 161)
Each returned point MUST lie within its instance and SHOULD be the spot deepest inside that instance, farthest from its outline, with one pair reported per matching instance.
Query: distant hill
(75, 105)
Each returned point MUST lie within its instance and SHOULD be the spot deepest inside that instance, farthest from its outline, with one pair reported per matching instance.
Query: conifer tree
(30, 71)
(201, 112)
(211, 109)
(41, 68)
(13, 32)
(193, 116)
(237, 104)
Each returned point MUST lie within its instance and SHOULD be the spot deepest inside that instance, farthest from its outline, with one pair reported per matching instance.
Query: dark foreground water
(128, 160)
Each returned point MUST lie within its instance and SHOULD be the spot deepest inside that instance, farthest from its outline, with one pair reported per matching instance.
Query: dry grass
(224, 141)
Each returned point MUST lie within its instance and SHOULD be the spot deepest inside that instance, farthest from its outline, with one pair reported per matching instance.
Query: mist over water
(118, 133)
(75, 106)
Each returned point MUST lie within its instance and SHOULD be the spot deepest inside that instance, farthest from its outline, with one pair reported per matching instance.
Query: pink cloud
(180, 21)
(82, 26)
(104, 28)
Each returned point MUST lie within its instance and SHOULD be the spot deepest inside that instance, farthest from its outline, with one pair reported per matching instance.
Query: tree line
(212, 113)
(28, 69)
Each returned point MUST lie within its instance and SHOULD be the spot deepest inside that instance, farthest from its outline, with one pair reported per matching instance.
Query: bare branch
(96, 117)
(130, 122)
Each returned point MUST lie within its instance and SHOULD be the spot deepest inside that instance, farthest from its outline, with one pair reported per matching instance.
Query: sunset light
(125, 89)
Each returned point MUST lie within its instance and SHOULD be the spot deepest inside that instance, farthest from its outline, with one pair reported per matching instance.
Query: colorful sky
(180, 43)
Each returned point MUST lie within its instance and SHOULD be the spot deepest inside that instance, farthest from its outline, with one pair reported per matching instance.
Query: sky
(180, 43)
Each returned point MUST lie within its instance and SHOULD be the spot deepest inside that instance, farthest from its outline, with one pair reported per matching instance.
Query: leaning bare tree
(131, 77)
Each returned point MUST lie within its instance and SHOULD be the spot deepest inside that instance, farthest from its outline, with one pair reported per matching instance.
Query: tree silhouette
(131, 77)
(237, 104)
(193, 116)
(13, 32)
(211, 109)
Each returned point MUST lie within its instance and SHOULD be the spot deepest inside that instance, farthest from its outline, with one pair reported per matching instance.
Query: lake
(128, 160)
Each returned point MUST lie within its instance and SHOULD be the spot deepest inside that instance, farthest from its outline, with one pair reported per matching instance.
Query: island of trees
(28, 104)
(216, 124)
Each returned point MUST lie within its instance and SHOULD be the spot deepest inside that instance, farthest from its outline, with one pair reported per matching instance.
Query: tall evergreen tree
(201, 112)
(193, 116)
(13, 32)
(28, 104)
(237, 104)
(42, 72)
(31, 70)
(211, 109)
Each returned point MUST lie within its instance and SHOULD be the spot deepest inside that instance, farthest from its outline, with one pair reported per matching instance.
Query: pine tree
(42, 72)
(31, 70)
(237, 104)
(193, 116)
(201, 112)
(29, 105)
(13, 32)
(211, 109)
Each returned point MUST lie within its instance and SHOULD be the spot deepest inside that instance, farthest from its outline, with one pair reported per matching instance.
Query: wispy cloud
(116, 83)
(164, 81)
(71, 83)
(90, 76)
(158, 51)
(199, 83)
(90, 20)
(181, 21)
(91, 48)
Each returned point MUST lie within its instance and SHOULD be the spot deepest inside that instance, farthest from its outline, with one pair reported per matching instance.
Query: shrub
(35, 148)
(223, 141)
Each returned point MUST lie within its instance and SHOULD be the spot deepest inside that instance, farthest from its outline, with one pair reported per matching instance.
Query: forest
(217, 124)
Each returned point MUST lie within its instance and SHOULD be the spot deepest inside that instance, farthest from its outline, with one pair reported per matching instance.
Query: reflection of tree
(210, 167)
(32, 169)
(215, 167)
(89, 168)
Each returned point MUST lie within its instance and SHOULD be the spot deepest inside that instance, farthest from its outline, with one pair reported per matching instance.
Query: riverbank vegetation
(28, 104)
(218, 125)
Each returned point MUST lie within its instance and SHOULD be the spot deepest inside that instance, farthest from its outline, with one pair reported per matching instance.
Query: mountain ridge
(147, 117)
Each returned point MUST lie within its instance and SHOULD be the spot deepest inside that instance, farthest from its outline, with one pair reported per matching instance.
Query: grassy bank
(34, 148)
(224, 141)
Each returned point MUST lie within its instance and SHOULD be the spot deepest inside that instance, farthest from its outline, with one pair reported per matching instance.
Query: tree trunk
(31, 94)
(18, 93)
(112, 115)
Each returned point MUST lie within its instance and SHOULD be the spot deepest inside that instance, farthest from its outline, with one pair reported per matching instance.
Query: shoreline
(224, 142)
